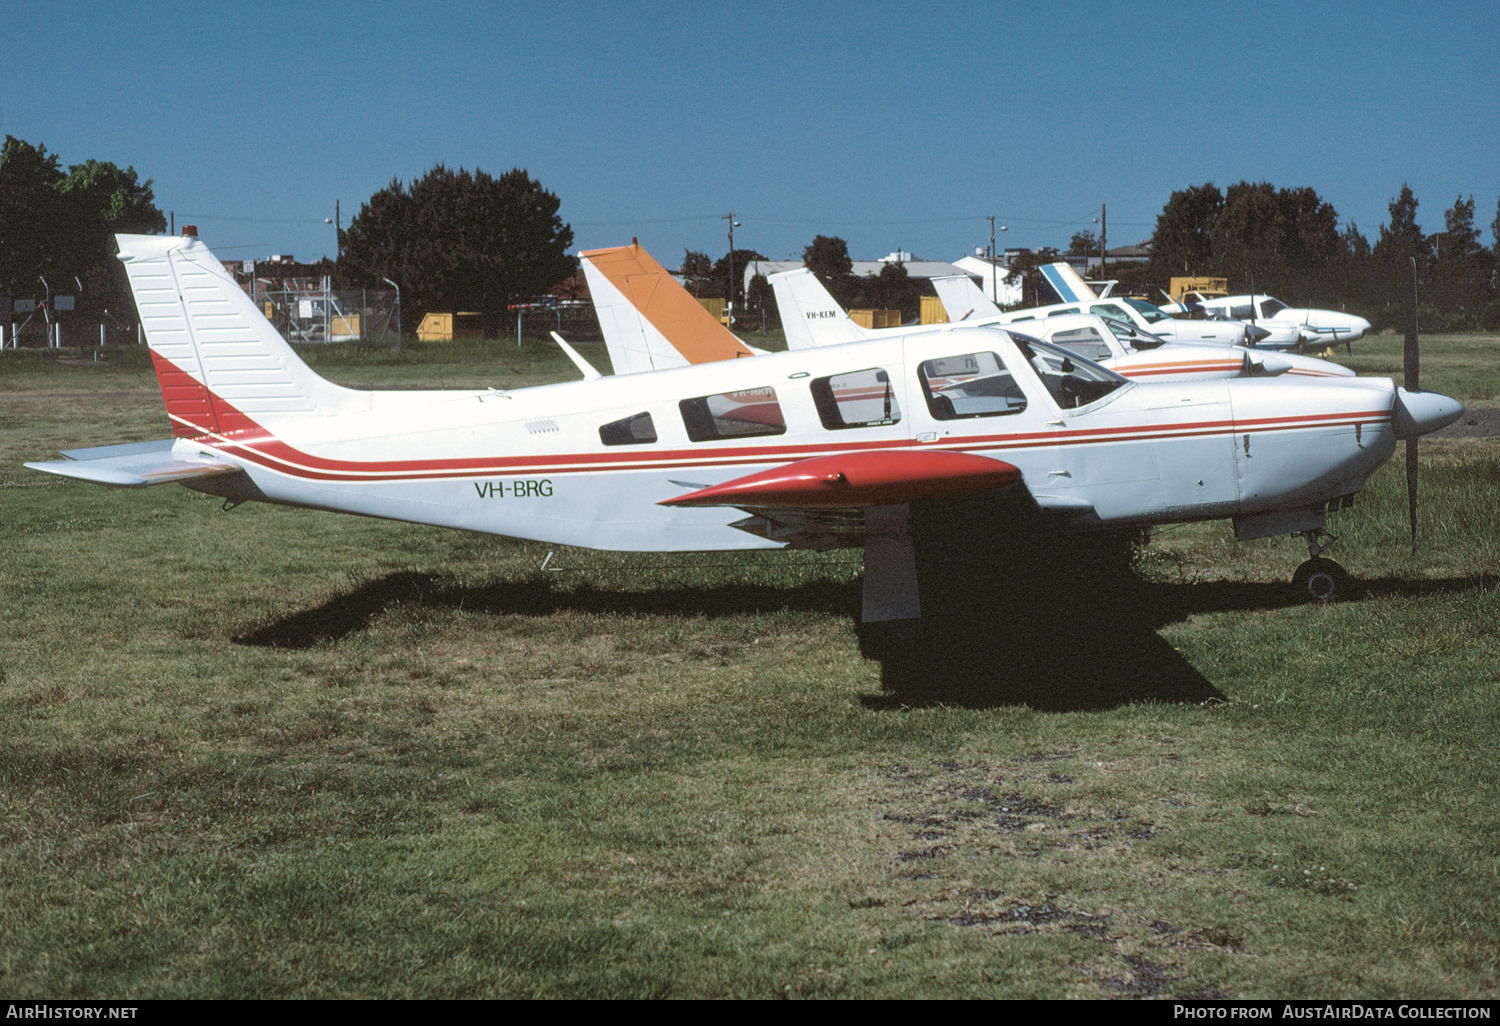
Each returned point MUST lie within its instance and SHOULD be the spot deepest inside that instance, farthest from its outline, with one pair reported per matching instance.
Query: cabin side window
(638, 429)
(861, 398)
(973, 385)
(745, 414)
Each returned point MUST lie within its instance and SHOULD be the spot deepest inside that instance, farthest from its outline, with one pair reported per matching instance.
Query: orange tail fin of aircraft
(650, 322)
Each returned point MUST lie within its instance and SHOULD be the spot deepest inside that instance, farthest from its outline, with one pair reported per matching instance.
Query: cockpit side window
(861, 398)
(1087, 342)
(744, 414)
(1071, 380)
(1242, 312)
(1131, 337)
(1110, 310)
(972, 385)
(633, 430)
(1150, 313)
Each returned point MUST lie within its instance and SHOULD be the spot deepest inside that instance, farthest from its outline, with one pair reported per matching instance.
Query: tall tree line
(1289, 243)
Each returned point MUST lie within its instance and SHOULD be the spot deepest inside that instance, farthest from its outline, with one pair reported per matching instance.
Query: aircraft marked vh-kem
(809, 449)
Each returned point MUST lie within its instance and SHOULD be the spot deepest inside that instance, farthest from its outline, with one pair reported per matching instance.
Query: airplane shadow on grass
(1043, 622)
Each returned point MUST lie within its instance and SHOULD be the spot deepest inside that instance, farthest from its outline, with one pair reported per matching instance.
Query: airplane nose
(1361, 327)
(1419, 413)
(1265, 363)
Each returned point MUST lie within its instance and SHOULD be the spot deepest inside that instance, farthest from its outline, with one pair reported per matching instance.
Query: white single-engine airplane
(810, 449)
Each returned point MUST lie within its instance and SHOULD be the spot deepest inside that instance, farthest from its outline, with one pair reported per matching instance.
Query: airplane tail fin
(220, 363)
(962, 299)
(649, 321)
(1070, 288)
(811, 317)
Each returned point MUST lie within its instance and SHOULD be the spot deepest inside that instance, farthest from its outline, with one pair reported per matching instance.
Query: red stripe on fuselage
(251, 442)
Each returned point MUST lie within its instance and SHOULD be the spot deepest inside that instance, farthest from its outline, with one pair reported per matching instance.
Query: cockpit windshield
(1072, 380)
(1271, 307)
(1146, 310)
(1132, 337)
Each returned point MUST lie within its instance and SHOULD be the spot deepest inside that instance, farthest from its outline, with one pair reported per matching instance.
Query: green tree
(30, 209)
(1026, 269)
(828, 258)
(1084, 243)
(1460, 276)
(1399, 244)
(459, 241)
(1402, 239)
(893, 289)
(1311, 248)
(719, 284)
(697, 272)
(1183, 240)
(760, 302)
(1249, 235)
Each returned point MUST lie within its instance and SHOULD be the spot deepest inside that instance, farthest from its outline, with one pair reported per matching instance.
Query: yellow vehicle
(1205, 288)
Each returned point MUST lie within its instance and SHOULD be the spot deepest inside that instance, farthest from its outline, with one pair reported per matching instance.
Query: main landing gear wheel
(1322, 580)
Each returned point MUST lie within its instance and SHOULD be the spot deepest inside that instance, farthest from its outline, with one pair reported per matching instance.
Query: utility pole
(732, 225)
(1103, 234)
(994, 286)
(995, 263)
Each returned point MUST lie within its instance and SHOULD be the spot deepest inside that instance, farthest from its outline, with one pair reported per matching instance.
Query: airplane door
(963, 396)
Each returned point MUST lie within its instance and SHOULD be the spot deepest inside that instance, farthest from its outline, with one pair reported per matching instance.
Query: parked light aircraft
(1077, 297)
(1316, 328)
(803, 449)
(965, 304)
(810, 316)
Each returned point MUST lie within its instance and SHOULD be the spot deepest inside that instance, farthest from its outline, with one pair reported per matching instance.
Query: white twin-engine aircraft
(807, 449)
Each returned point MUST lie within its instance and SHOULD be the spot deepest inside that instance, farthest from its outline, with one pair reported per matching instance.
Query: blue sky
(889, 124)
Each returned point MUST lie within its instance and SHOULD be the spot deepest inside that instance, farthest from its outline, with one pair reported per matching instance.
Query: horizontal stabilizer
(134, 465)
(858, 479)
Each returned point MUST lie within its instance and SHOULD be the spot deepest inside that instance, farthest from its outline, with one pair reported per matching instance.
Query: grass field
(282, 753)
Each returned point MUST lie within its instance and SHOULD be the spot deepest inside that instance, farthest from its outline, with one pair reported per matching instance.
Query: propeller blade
(1411, 366)
(1411, 489)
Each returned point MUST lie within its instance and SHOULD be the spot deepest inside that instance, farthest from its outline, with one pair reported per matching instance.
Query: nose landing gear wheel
(1322, 580)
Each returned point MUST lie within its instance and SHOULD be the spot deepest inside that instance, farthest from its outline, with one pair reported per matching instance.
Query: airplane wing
(962, 299)
(135, 465)
(809, 315)
(857, 498)
(649, 321)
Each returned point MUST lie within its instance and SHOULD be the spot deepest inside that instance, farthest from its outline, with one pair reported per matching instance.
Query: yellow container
(445, 327)
(876, 318)
(932, 311)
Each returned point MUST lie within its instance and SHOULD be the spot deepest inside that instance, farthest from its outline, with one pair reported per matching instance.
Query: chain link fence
(306, 312)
